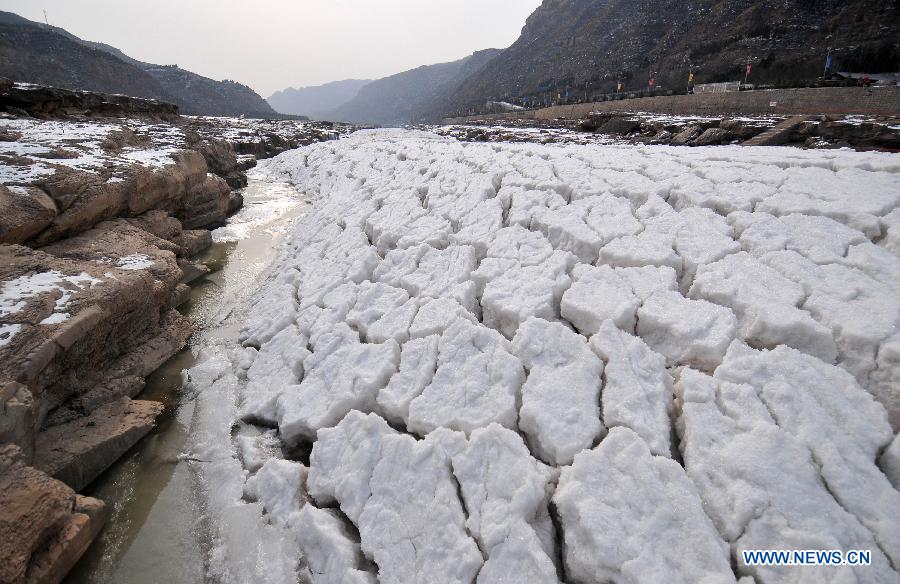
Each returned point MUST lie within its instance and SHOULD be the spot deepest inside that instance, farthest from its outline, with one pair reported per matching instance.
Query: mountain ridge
(316, 101)
(34, 52)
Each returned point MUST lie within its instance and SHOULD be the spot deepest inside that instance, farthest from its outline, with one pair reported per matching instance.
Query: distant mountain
(589, 45)
(319, 101)
(409, 96)
(33, 52)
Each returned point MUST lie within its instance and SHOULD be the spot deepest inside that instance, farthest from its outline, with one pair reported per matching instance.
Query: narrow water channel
(155, 532)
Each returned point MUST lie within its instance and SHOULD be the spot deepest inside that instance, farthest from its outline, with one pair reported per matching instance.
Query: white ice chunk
(497, 505)
(332, 555)
(342, 460)
(598, 294)
(477, 382)
(418, 362)
(638, 390)
(346, 379)
(843, 427)
(436, 315)
(765, 303)
(513, 292)
(686, 331)
(280, 486)
(560, 400)
(629, 516)
(413, 524)
(820, 239)
(646, 280)
(278, 364)
(761, 486)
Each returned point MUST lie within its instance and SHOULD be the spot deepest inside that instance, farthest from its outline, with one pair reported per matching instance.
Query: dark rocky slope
(588, 45)
(36, 53)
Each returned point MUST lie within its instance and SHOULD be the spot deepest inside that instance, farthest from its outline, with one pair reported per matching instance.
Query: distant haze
(273, 44)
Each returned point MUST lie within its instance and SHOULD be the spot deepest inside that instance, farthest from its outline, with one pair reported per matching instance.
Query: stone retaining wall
(879, 101)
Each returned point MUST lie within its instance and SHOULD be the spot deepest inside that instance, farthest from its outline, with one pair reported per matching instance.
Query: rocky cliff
(587, 46)
(36, 53)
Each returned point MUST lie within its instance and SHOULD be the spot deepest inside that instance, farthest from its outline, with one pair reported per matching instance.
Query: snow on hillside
(587, 363)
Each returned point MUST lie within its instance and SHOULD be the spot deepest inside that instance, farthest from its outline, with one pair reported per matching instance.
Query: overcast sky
(273, 44)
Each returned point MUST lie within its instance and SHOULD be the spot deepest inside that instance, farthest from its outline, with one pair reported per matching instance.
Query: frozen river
(536, 363)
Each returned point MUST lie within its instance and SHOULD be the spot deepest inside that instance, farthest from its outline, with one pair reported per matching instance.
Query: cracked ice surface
(577, 363)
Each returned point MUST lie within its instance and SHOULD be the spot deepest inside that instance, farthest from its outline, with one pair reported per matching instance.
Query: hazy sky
(272, 44)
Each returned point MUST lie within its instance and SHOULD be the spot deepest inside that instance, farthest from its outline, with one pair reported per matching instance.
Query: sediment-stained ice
(629, 516)
(452, 325)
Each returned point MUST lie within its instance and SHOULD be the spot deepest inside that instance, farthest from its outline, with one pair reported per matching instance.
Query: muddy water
(155, 531)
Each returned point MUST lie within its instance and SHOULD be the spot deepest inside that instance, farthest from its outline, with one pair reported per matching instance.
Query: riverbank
(155, 531)
(104, 217)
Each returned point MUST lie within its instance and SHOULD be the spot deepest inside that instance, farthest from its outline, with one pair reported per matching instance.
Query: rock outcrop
(44, 526)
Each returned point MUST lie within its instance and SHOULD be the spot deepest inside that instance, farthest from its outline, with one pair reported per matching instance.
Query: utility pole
(45, 17)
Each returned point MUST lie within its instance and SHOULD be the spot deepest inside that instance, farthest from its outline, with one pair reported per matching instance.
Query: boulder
(686, 135)
(24, 212)
(713, 136)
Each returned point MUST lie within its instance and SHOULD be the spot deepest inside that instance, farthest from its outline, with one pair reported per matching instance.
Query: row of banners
(651, 83)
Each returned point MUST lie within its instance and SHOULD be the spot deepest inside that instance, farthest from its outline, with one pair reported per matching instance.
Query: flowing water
(155, 531)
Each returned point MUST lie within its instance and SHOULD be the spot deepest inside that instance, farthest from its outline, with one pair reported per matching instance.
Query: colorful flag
(749, 68)
(691, 77)
(828, 62)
